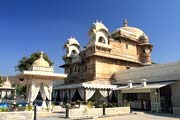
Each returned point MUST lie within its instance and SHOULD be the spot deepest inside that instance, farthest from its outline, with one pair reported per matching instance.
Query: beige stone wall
(100, 62)
(26, 115)
(97, 112)
(131, 50)
(105, 68)
(119, 49)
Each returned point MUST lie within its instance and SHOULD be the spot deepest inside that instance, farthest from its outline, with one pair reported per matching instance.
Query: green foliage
(28, 108)
(1, 80)
(90, 104)
(26, 62)
(20, 90)
(3, 109)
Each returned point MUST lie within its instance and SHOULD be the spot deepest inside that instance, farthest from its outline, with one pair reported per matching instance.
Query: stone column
(108, 98)
(120, 99)
(69, 95)
(84, 94)
(155, 100)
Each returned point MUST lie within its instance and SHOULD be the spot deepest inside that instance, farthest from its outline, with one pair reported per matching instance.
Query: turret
(72, 47)
(98, 35)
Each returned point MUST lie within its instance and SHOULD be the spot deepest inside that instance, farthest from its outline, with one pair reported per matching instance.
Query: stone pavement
(137, 116)
(146, 116)
(51, 116)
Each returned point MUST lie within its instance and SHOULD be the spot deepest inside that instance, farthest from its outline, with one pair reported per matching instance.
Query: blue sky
(27, 26)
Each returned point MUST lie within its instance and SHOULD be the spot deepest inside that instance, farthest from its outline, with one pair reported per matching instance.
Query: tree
(26, 62)
(1, 80)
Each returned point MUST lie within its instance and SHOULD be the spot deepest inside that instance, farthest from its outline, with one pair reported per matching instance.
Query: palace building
(116, 67)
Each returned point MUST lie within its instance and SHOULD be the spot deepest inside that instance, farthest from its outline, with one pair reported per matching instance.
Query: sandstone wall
(26, 115)
(97, 112)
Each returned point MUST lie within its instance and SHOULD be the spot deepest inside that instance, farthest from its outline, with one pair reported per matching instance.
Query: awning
(85, 85)
(149, 86)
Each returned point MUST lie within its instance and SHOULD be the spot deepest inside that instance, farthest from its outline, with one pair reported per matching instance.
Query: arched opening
(74, 53)
(101, 40)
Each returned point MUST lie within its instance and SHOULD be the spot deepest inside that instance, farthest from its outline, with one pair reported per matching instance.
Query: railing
(39, 68)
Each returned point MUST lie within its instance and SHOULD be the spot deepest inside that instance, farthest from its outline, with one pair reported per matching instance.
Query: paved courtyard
(138, 116)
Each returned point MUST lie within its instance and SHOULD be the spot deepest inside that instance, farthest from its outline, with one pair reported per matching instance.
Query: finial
(41, 56)
(125, 22)
(98, 21)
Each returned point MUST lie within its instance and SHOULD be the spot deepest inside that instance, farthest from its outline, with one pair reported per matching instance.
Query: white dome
(7, 83)
(41, 62)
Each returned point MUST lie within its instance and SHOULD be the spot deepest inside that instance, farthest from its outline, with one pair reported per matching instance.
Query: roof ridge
(149, 67)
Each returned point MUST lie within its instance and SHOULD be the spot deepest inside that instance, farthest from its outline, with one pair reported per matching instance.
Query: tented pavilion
(6, 90)
(39, 78)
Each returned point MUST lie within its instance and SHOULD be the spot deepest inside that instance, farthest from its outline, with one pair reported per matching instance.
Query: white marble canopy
(39, 78)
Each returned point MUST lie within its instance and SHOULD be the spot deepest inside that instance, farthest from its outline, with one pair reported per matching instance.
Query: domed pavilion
(39, 78)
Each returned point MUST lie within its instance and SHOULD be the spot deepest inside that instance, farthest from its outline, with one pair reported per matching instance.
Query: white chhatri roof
(40, 74)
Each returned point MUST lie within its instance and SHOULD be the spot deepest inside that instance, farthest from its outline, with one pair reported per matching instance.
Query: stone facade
(125, 48)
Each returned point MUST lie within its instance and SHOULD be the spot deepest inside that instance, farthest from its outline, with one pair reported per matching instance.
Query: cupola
(41, 61)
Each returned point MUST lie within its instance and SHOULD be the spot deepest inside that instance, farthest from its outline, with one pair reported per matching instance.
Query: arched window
(101, 40)
(74, 53)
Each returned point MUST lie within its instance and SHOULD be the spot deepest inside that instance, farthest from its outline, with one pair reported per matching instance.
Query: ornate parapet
(40, 68)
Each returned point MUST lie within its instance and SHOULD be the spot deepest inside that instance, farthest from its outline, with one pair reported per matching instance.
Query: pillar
(155, 100)
(50, 96)
(69, 95)
(119, 98)
(84, 94)
(108, 98)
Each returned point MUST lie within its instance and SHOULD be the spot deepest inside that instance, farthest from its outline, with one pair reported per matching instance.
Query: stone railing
(26, 115)
(97, 112)
(40, 68)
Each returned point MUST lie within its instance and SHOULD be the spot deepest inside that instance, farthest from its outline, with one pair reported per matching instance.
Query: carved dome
(41, 62)
(132, 31)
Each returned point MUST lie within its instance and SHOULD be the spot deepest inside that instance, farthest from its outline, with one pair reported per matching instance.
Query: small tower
(72, 47)
(146, 49)
(98, 35)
